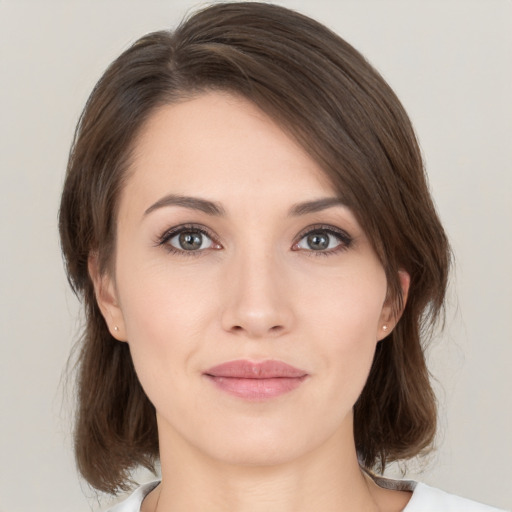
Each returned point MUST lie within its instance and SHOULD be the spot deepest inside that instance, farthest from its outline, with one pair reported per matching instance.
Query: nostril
(276, 329)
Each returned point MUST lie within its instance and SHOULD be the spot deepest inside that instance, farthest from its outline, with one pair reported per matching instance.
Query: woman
(246, 216)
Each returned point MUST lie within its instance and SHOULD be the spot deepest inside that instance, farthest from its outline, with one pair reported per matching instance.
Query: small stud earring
(116, 328)
(384, 327)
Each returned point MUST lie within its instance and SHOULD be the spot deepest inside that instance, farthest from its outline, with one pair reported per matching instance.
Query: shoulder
(430, 499)
(134, 501)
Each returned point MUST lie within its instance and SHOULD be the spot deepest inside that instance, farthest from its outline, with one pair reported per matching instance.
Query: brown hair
(324, 93)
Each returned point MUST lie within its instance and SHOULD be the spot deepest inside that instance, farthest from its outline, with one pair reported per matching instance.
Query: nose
(258, 299)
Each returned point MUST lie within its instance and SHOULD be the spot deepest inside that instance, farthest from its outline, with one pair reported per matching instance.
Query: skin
(256, 290)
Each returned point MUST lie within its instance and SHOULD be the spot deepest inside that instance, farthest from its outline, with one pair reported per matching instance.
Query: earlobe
(391, 313)
(106, 297)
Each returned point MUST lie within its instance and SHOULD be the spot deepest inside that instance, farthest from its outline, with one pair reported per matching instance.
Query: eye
(187, 239)
(323, 240)
(190, 241)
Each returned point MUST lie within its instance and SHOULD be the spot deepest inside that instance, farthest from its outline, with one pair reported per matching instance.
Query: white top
(424, 498)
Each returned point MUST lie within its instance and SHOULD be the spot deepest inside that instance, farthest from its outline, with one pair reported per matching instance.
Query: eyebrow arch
(194, 203)
(315, 206)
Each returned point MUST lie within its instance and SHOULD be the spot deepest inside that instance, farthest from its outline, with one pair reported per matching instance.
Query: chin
(259, 443)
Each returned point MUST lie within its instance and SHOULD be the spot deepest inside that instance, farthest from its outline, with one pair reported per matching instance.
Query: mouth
(256, 380)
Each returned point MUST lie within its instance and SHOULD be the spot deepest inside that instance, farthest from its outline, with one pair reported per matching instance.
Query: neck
(327, 479)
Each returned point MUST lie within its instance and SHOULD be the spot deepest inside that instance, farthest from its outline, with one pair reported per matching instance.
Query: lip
(256, 380)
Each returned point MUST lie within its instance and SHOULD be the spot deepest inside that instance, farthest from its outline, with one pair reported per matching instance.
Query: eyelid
(344, 238)
(176, 230)
(342, 235)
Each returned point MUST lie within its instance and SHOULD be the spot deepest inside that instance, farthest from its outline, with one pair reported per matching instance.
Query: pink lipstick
(256, 381)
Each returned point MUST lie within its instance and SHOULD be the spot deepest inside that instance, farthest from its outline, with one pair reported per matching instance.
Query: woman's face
(235, 261)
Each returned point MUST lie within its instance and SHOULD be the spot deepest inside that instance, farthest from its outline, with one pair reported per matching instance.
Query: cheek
(346, 318)
(165, 313)
(159, 296)
(348, 305)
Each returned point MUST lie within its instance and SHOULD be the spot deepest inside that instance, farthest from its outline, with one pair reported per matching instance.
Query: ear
(390, 315)
(106, 297)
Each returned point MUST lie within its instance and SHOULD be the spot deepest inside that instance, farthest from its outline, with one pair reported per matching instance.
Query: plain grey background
(449, 61)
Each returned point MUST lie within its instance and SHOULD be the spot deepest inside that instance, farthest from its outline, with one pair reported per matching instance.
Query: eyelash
(177, 230)
(342, 236)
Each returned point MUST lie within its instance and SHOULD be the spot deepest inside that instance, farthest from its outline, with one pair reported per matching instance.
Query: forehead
(221, 145)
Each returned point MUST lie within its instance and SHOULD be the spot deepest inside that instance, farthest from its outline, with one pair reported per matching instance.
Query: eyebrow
(193, 203)
(315, 206)
(215, 209)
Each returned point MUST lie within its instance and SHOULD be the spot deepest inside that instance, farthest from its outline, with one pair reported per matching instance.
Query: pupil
(190, 241)
(318, 241)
